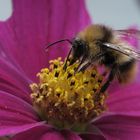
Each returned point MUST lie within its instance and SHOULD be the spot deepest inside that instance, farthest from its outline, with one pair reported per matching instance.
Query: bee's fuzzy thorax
(96, 32)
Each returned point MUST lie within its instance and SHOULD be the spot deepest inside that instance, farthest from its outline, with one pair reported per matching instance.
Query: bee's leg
(65, 65)
(81, 62)
(90, 62)
(85, 66)
(110, 78)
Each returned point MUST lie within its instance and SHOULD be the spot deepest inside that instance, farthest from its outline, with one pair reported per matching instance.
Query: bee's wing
(125, 50)
(129, 32)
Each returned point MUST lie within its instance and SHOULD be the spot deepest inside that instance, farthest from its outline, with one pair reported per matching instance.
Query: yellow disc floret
(63, 97)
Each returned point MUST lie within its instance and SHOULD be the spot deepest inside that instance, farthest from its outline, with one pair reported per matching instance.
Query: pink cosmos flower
(22, 55)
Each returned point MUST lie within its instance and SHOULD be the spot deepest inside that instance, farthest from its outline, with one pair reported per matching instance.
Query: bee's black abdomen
(127, 71)
(127, 65)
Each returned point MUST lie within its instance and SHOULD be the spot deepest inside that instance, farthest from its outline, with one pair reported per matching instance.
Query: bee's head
(79, 49)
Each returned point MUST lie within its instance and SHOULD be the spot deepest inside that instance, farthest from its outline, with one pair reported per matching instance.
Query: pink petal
(17, 129)
(13, 79)
(125, 100)
(6, 87)
(4, 138)
(46, 133)
(36, 133)
(92, 137)
(8, 43)
(119, 126)
(15, 113)
(9, 67)
(12, 104)
(54, 135)
(12, 74)
(69, 135)
(34, 24)
(60, 135)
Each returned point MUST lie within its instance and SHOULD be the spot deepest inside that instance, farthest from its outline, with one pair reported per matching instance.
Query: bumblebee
(101, 45)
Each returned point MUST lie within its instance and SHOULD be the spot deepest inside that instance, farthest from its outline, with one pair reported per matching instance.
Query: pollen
(65, 97)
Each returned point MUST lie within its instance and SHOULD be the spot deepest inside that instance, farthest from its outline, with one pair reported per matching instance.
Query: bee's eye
(78, 45)
(75, 44)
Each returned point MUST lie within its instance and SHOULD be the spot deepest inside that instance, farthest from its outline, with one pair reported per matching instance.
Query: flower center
(65, 98)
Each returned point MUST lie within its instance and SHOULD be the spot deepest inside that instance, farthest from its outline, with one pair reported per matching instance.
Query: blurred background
(115, 13)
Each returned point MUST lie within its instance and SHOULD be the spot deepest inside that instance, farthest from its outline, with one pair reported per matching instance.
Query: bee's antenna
(58, 42)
